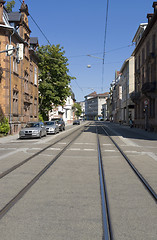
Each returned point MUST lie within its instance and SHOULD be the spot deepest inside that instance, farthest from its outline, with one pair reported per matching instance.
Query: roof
(94, 94)
(14, 16)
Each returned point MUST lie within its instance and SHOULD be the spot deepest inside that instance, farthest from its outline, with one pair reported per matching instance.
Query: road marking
(54, 149)
(110, 151)
(89, 149)
(85, 143)
(74, 149)
(152, 155)
(132, 152)
(107, 144)
(13, 152)
(128, 142)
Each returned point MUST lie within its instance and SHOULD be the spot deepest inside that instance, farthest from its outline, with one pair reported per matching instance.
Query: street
(65, 202)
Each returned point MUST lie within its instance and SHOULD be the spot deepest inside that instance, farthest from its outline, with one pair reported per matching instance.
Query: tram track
(87, 184)
(16, 166)
(146, 184)
(107, 227)
(108, 210)
(21, 193)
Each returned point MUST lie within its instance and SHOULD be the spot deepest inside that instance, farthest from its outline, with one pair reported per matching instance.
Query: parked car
(60, 122)
(76, 122)
(33, 130)
(51, 127)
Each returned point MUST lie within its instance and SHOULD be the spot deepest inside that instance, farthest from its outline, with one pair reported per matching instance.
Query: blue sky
(79, 26)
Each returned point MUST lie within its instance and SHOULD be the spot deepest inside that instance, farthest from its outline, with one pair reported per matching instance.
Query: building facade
(127, 86)
(18, 78)
(66, 112)
(93, 105)
(145, 94)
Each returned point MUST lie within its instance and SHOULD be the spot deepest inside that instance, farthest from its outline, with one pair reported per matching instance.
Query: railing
(148, 87)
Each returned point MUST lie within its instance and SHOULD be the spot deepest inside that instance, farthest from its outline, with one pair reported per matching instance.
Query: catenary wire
(105, 36)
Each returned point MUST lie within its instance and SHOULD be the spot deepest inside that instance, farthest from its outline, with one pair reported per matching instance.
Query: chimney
(149, 16)
(155, 6)
(1, 11)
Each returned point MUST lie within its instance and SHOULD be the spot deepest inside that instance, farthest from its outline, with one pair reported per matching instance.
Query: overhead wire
(105, 36)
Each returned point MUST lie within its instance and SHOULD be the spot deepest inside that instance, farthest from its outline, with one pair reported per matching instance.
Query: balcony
(135, 96)
(148, 87)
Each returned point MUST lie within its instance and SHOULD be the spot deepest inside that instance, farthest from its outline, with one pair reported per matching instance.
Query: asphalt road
(65, 202)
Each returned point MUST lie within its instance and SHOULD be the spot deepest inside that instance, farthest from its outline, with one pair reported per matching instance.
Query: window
(35, 76)
(31, 73)
(153, 43)
(15, 65)
(142, 75)
(147, 48)
(143, 56)
(35, 107)
(15, 102)
(139, 62)
(152, 108)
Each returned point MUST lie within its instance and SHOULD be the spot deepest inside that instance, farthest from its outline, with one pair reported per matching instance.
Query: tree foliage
(4, 126)
(10, 5)
(77, 108)
(53, 78)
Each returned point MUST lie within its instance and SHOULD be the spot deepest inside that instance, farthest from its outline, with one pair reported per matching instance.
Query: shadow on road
(120, 130)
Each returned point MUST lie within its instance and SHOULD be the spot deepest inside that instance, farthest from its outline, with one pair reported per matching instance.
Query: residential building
(66, 112)
(93, 105)
(115, 103)
(82, 104)
(127, 83)
(145, 94)
(18, 78)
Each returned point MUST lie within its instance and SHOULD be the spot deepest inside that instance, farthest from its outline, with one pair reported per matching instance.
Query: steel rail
(107, 228)
(20, 194)
(3, 174)
(143, 180)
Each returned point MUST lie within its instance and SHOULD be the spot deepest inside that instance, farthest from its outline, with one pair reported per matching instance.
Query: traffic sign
(146, 102)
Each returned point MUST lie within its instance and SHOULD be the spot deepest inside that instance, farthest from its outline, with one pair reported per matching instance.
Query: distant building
(66, 112)
(18, 79)
(82, 104)
(93, 105)
(126, 87)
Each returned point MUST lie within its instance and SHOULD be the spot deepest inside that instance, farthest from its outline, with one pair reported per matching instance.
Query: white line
(152, 155)
(74, 149)
(54, 149)
(13, 152)
(128, 142)
(110, 151)
(107, 144)
(89, 149)
(85, 143)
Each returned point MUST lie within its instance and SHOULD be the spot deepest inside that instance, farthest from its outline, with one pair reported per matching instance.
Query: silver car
(33, 130)
(51, 127)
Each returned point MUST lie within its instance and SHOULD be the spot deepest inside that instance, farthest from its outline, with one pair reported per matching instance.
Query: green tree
(53, 78)
(4, 126)
(77, 108)
(10, 5)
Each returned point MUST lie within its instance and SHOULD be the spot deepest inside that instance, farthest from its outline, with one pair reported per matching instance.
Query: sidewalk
(148, 134)
(8, 138)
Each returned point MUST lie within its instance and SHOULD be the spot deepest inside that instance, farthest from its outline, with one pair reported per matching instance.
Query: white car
(51, 127)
